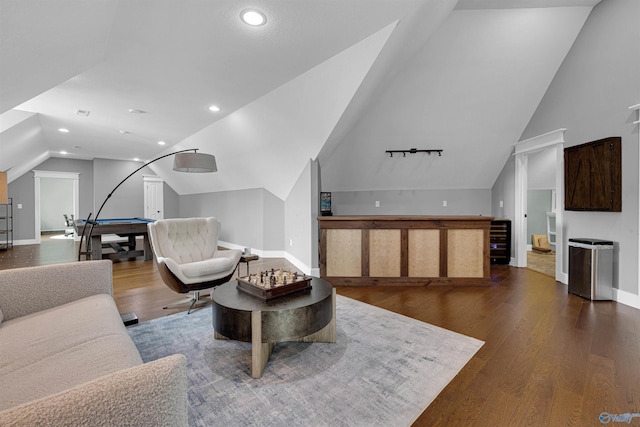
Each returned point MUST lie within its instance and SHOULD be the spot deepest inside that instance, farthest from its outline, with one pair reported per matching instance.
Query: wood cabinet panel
(343, 254)
(465, 253)
(384, 253)
(424, 253)
(593, 176)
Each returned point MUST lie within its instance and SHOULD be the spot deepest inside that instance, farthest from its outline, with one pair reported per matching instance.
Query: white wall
(590, 96)
(22, 192)
(250, 218)
(299, 221)
(541, 170)
(411, 202)
(128, 200)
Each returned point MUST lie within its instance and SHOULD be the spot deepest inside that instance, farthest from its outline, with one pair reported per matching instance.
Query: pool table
(123, 227)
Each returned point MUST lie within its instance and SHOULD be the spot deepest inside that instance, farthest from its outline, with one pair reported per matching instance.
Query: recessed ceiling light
(136, 111)
(124, 132)
(214, 108)
(253, 17)
(135, 159)
(161, 142)
(63, 130)
(63, 152)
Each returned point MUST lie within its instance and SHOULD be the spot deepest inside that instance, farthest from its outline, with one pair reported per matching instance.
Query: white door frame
(156, 180)
(553, 140)
(37, 175)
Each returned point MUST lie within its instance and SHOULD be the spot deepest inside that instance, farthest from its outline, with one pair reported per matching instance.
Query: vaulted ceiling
(340, 81)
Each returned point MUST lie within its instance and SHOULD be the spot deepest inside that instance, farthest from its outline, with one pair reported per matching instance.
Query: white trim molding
(152, 178)
(37, 176)
(540, 142)
(550, 140)
(26, 242)
(276, 254)
(626, 298)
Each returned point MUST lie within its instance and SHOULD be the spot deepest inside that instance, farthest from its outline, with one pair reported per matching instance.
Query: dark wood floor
(549, 358)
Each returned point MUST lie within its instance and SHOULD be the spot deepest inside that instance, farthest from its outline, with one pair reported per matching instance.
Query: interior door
(153, 197)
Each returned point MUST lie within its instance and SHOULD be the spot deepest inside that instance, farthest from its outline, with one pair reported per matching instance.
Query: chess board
(272, 284)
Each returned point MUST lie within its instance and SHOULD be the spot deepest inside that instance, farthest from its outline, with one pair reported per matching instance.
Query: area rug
(384, 370)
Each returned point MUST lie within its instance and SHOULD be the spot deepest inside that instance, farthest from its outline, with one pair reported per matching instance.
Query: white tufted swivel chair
(187, 255)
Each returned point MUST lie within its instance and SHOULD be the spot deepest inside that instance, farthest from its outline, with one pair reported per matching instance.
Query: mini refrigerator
(591, 268)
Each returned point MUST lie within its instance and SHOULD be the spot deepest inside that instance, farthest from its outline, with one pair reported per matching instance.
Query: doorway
(47, 181)
(552, 144)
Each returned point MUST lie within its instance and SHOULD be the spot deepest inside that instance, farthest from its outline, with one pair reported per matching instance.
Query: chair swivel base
(194, 299)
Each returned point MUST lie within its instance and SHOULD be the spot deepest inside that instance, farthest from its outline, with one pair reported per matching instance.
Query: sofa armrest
(28, 290)
(151, 394)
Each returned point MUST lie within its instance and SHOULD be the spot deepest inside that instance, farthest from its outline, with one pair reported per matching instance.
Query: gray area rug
(384, 370)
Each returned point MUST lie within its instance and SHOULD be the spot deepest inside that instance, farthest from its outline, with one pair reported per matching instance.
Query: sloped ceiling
(470, 91)
(339, 80)
(45, 43)
(268, 142)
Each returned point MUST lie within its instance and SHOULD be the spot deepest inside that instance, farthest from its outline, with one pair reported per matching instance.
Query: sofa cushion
(56, 349)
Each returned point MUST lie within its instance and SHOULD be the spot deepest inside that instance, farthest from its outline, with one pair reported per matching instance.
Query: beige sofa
(66, 357)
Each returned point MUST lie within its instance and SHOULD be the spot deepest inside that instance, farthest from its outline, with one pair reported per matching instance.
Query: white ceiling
(303, 85)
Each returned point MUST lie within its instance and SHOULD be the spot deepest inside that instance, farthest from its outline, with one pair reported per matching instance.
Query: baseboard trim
(626, 298)
(299, 264)
(25, 242)
(276, 254)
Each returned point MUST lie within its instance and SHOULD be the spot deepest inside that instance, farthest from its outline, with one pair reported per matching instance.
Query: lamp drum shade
(194, 163)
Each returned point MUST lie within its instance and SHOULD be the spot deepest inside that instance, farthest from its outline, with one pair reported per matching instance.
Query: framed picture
(325, 203)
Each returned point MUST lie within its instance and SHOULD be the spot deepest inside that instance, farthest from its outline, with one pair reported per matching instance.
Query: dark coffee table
(308, 316)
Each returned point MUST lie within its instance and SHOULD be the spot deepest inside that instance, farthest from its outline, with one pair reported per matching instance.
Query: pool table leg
(96, 247)
(148, 255)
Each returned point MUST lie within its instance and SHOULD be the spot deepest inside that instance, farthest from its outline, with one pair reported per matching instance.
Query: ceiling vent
(83, 113)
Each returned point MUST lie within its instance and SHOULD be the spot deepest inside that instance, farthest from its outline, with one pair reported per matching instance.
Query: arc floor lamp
(188, 160)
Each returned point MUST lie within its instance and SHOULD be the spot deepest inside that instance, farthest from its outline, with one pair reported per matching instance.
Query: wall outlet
(444, 203)
(290, 242)
(377, 203)
(502, 203)
(19, 205)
